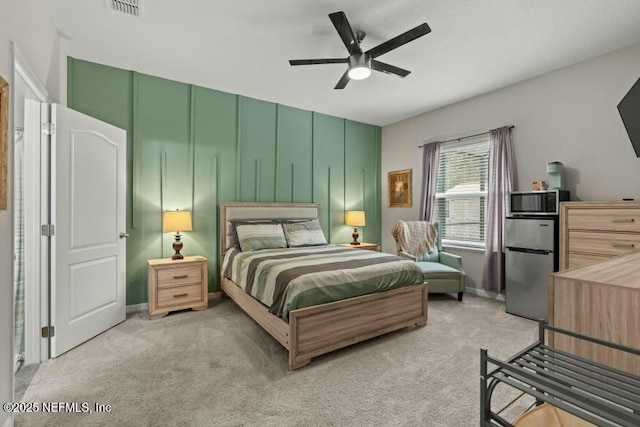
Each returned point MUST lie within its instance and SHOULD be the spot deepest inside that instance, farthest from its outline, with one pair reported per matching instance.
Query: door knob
(124, 235)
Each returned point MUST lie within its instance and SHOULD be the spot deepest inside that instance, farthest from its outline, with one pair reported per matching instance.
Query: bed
(322, 328)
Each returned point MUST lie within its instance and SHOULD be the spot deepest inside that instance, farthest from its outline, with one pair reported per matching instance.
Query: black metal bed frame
(592, 391)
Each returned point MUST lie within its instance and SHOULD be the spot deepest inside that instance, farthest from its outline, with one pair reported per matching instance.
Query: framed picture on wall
(4, 141)
(399, 185)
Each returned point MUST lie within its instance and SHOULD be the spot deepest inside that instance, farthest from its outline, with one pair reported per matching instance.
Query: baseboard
(9, 421)
(485, 294)
(137, 308)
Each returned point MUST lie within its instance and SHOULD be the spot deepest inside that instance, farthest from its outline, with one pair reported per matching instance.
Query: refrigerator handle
(530, 251)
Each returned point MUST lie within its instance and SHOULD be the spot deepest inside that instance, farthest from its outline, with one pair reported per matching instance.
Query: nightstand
(177, 285)
(363, 245)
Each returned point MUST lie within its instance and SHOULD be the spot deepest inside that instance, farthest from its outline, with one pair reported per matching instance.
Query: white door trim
(22, 68)
(36, 166)
(32, 243)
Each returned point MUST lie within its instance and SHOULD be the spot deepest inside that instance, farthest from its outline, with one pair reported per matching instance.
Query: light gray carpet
(22, 379)
(217, 367)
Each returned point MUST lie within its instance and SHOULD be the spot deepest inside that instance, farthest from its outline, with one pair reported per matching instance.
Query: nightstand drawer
(177, 284)
(179, 276)
(182, 295)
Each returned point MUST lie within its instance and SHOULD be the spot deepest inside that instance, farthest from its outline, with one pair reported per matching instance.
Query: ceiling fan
(361, 63)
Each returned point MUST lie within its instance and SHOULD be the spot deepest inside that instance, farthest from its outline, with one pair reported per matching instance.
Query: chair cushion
(435, 270)
(433, 255)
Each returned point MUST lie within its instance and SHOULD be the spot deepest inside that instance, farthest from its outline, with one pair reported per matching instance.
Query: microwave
(537, 202)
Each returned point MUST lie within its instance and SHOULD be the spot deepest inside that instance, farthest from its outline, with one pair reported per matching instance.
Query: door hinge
(48, 331)
(48, 128)
(48, 229)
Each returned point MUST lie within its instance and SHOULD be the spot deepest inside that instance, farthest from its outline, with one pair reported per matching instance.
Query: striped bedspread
(290, 278)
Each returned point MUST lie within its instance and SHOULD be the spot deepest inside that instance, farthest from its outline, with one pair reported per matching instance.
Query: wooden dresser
(177, 285)
(600, 300)
(595, 231)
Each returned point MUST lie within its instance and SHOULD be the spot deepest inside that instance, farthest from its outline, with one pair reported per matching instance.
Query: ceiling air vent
(130, 7)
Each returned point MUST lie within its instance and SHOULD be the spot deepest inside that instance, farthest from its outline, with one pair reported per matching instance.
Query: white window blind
(461, 191)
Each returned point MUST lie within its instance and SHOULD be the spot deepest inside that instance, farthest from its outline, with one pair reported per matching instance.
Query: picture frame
(4, 142)
(399, 188)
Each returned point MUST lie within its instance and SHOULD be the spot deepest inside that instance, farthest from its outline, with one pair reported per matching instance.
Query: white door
(88, 178)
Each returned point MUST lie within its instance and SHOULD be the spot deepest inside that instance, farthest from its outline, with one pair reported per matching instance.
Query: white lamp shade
(355, 219)
(176, 221)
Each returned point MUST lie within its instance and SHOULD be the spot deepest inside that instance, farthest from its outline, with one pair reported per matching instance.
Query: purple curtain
(430, 160)
(502, 180)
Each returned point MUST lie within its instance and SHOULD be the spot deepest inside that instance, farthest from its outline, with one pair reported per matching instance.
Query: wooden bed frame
(323, 328)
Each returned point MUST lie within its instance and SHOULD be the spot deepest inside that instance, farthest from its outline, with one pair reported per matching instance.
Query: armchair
(442, 270)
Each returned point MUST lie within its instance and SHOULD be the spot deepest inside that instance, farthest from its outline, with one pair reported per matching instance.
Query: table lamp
(355, 219)
(176, 221)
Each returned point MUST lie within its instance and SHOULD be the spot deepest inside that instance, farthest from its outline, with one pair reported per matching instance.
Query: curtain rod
(462, 137)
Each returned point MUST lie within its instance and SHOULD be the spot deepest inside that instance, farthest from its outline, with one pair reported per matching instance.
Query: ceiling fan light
(359, 72)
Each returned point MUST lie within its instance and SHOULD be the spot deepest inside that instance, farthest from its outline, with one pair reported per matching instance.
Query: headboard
(257, 210)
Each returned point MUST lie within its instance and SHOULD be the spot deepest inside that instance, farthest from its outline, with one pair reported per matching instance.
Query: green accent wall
(362, 176)
(190, 147)
(294, 161)
(328, 175)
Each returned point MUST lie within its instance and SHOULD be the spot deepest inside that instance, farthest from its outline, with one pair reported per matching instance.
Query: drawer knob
(180, 295)
(624, 220)
(623, 245)
(183, 276)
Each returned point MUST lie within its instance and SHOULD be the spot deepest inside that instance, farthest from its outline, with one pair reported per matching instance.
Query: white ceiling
(243, 47)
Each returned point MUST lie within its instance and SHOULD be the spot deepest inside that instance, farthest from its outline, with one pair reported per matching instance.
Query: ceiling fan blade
(343, 80)
(319, 61)
(389, 69)
(345, 31)
(398, 41)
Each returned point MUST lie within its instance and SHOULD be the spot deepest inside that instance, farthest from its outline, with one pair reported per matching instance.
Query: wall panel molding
(163, 186)
(193, 147)
(214, 218)
(137, 146)
(192, 138)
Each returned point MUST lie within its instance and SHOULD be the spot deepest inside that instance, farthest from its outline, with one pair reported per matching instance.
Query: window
(461, 191)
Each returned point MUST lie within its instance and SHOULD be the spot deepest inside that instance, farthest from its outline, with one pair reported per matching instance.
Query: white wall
(568, 115)
(29, 25)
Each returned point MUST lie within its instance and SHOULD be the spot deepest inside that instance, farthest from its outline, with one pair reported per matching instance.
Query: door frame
(37, 247)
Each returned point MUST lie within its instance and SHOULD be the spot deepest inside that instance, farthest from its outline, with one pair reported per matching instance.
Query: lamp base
(355, 236)
(177, 246)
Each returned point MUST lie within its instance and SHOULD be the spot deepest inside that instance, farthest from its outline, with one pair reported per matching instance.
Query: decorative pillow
(234, 241)
(253, 237)
(308, 233)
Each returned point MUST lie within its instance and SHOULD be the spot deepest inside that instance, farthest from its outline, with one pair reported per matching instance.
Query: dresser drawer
(179, 276)
(603, 244)
(580, 260)
(182, 295)
(624, 220)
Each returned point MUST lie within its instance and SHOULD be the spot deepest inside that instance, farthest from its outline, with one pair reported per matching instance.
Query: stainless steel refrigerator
(531, 255)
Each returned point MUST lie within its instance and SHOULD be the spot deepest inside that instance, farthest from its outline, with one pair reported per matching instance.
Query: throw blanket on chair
(415, 237)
